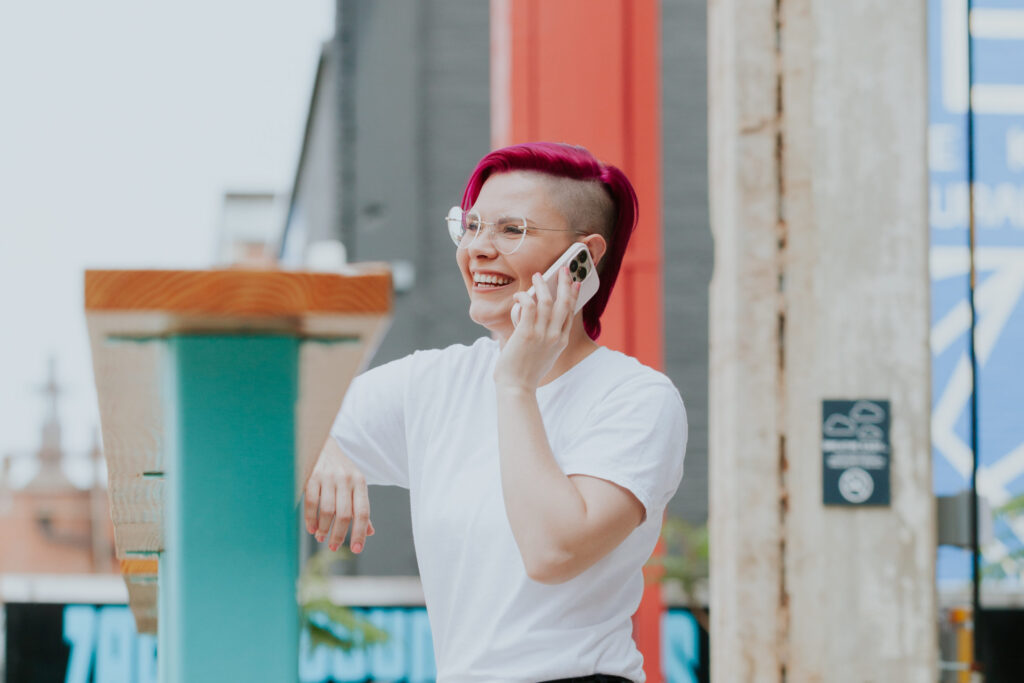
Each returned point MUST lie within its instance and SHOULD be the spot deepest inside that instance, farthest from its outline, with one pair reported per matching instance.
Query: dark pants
(593, 678)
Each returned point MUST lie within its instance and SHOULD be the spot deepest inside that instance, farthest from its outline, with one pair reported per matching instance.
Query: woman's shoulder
(619, 383)
(618, 369)
(482, 347)
(424, 360)
(454, 359)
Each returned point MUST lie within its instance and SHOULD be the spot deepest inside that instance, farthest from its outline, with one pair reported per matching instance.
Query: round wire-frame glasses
(507, 233)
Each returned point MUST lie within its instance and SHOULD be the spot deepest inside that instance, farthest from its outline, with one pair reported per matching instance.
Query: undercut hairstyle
(594, 197)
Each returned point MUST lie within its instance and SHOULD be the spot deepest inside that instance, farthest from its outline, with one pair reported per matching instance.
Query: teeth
(482, 279)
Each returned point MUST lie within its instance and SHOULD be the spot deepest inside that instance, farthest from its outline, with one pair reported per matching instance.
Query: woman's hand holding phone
(581, 269)
(541, 335)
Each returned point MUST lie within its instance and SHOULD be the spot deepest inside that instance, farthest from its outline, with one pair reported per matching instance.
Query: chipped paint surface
(817, 129)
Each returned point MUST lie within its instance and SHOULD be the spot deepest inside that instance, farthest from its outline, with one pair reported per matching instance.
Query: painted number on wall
(105, 647)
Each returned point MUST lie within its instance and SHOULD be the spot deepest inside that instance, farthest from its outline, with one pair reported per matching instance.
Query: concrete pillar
(817, 129)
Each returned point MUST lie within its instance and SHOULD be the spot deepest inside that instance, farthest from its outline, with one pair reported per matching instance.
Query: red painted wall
(588, 72)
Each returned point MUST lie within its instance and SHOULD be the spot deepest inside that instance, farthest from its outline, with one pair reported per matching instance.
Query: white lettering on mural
(986, 24)
(104, 646)
(80, 634)
(995, 206)
(1015, 148)
(943, 151)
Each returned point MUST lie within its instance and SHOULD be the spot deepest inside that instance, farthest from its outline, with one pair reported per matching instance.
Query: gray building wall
(422, 121)
(422, 112)
(313, 212)
(687, 234)
(401, 119)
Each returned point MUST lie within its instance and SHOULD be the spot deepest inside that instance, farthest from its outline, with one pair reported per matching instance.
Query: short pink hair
(570, 161)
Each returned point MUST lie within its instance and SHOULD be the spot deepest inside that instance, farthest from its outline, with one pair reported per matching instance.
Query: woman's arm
(366, 445)
(562, 524)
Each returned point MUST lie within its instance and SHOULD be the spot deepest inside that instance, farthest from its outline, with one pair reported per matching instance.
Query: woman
(538, 463)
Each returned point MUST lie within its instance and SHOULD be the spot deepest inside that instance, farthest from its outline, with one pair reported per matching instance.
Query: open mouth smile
(488, 281)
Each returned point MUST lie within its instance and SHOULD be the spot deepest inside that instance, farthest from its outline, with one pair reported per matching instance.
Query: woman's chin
(497, 319)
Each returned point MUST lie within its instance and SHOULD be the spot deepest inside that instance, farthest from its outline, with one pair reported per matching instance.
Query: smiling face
(492, 278)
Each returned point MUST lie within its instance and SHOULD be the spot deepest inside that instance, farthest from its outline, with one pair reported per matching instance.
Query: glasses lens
(509, 234)
(464, 228)
(454, 221)
(469, 226)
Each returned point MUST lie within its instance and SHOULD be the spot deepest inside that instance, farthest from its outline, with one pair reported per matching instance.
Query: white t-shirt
(428, 422)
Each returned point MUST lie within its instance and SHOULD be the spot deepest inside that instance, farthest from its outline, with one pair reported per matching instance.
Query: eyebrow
(502, 219)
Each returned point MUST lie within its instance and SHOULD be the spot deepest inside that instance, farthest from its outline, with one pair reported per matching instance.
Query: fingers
(527, 312)
(342, 517)
(360, 518)
(574, 296)
(541, 290)
(549, 316)
(326, 516)
(565, 305)
(536, 309)
(335, 497)
(545, 302)
(312, 500)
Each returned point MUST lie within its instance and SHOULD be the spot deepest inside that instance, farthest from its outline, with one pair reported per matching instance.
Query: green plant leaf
(331, 625)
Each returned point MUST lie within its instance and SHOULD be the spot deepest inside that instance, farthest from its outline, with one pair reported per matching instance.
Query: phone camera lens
(573, 266)
(582, 273)
(582, 258)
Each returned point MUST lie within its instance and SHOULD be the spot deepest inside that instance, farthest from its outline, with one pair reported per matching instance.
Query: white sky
(122, 123)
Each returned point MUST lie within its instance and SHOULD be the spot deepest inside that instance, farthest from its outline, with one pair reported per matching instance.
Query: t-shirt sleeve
(636, 438)
(370, 427)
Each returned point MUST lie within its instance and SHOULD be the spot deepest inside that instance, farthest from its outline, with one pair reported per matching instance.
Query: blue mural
(104, 646)
(997, 36)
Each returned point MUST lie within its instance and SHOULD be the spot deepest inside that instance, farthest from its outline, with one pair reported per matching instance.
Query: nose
(483, 243)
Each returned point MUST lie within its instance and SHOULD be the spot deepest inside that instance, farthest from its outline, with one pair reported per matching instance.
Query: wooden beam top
(240, 292)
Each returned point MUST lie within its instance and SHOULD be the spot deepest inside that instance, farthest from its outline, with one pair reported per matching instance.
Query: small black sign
(855, 449)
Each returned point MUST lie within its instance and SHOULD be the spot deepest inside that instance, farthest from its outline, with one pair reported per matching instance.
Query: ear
(597, 246)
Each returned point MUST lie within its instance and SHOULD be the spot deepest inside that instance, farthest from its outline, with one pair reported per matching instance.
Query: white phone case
(581, 269)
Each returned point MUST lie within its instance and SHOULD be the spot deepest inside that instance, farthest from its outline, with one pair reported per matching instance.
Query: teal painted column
(228, 573)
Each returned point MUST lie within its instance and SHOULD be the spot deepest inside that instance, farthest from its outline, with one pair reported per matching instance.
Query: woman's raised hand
(541, 335)
(336, 497)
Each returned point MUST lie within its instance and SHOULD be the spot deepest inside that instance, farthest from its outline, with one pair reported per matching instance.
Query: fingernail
(319, 538)
(357, 547)
(334, 546)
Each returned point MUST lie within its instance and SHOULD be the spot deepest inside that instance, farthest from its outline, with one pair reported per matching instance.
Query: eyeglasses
(507, 234)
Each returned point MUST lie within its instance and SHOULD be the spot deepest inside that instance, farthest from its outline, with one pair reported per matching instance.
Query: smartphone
(581, 269)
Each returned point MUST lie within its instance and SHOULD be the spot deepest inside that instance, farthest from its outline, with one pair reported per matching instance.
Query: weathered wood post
(822, 528)
(217, 389)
